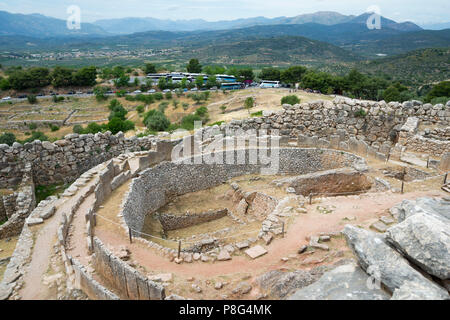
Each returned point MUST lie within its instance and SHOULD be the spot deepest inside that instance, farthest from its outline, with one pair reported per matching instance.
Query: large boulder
(413, 291)
(347, 282)
(384, 263)
(440, 208)
(425, 240)
(279, 284)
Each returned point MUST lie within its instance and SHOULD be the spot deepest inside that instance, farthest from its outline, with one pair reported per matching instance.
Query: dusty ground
(88, 109)
(7, 247)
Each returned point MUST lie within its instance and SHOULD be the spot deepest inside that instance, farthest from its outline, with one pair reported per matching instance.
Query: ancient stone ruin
(356, 208)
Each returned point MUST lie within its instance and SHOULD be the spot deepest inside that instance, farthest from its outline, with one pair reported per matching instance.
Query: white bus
(269, 84)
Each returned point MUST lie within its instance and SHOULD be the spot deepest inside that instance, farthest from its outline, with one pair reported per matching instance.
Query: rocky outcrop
(279, 285)
(425, 240)
(382, 262)
(347, 282)
(439, 208)
(328, 182)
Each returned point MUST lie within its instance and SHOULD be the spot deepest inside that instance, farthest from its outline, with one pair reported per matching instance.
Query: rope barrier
(170, 240)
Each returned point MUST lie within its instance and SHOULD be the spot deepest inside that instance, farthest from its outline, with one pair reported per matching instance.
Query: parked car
(151, 91)
(22, 96)
(6, 98)
(167, 90)
(137, 91)
(194, 89)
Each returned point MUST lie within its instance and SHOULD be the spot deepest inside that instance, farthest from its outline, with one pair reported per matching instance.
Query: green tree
(7, 138)
(442, 89)
(100, 93)
(85, 77)
(62, 77)
(391, 94)
(293, 75)
(162, 83)
(194, 66)
(290, 100)
(156, 121)
(31, 99)
(150, 68)
(116, 125)
(199, 81)
(271, 74)
(211, 82)
(249, 103)
(245, 74)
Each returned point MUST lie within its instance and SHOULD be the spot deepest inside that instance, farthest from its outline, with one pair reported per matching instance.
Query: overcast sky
(419, 11)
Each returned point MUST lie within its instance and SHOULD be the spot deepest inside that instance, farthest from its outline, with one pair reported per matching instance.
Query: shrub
(202, 111)
(175, 104)
(57, 99)
(158, 96)
(163, 106)
(77, 129)
(187, 122)
(168, 95)
(156, 120)
(54, 127)
(257, 114)
(249, 103)
(36, 135)
(93, 128)
(140, 109)
(185, 106)
(32, 99)
(7, 138)
(116, 125)
(223, 108)
(32, 126)
(290, 100)
(361, 113)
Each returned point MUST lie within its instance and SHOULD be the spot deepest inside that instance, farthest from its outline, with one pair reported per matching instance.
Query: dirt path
(45, 238)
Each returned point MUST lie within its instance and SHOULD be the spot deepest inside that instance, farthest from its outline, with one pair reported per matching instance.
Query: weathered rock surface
(414, 291)
(425, 240)
(382, 262)
(347, 282)
(279, 284)
(439, 208)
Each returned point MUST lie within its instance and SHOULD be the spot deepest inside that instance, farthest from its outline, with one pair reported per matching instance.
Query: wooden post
(91, 222)
(94, 218)
(310, 198)
(282, 229)
(179, 249)
(403, 185)
(428, 162)
(130, 235)
(445, 178)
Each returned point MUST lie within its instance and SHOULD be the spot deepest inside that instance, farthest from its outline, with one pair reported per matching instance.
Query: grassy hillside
(414, 68)
(273, 51)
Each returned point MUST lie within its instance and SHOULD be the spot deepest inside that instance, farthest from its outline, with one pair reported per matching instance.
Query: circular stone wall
(156, 186)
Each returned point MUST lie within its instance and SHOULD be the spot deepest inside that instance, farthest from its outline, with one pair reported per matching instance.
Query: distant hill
(401, 43)
(416, 67)
(328, 18)
(272, 51)
(39, 26)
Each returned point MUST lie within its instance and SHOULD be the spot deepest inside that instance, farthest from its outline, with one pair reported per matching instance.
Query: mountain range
(40, 26)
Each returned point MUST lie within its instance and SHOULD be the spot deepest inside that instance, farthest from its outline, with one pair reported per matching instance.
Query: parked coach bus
(270, 84)
(232, 86)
